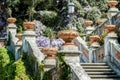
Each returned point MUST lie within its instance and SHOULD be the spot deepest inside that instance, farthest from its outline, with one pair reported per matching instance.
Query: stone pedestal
(72, 54)
(49, 64)
(18, 51)
(50, 59)
(111, 36)
(18, 46)
(94, 45)
(89, 28)
(12, 28)
(113, 10)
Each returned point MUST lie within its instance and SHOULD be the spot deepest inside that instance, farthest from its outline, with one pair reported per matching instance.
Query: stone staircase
(100, 71)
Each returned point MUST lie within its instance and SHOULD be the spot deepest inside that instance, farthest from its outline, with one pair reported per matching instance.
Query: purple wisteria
(43, 41)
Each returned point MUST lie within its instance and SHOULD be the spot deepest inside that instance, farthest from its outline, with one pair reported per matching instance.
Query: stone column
(28, 35)
(12, 27)
(18, 45)
(89, 28)
(72, 53)
(50, 59)
(94, 45)
(113, 10)
(111, 36)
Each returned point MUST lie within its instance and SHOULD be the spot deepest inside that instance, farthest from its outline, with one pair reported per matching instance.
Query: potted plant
(88, 23)
(10, 4)
(112, 3)
(29, 25)
(10, 19)
(50, 51)
(67, 35)
(110, 28)
(94, 39)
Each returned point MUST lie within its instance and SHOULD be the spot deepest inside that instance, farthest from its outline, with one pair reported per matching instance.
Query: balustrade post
(12, 27)
(89, 28)
(71, 51)
(113, 10)
(94, 45)
(28, 35)
(18, 45)
(111, 36)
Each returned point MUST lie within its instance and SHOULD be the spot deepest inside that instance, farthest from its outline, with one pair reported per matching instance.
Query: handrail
(104, 23)
(77, 71)
(82, 47)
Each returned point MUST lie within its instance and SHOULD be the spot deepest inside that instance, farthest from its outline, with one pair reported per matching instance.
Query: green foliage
(10, 69)
(20, 72)
(6, 64)
(78, 8)
(11, 4)
(64, 69)
(94, 14)
(19, 29)
(4, 57)
(49, 32)
(48, 17)
(79, 25)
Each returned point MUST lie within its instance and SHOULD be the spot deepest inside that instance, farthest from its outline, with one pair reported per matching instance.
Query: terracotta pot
(110, 28)
(68, 36)
(29, 25)
(112, 3)
(50, 52)
(94, 39)
(19, 36)
(11, 20)
(88, 23)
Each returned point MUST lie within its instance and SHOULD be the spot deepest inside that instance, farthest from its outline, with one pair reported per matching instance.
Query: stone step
(104, 76)
(101, 73)
(98, 70)
(96, 67)
(93, 64)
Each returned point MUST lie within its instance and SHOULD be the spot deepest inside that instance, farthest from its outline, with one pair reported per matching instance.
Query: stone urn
(50, 52)
(110, 28)
(88, 23)
(112, 3)
(11, 20)
(29, 25)
(94, 39)
(68, 36)
(19, 36)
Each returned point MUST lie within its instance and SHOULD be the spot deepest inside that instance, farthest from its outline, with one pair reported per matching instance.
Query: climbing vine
(64, 69)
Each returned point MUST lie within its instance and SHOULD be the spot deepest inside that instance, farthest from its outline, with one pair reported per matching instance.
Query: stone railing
(113, 52)
(113, 20)
(77, 72)
(83, 48)
(100, 54)
(14, 45)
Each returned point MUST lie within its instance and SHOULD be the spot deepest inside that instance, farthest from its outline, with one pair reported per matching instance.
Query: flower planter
(49, 52)
(110, 28)
(112, 3)
(19, 36)
(29, 25)
(88, 23)
(11, 20)
(94, 39)
(68, 36)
